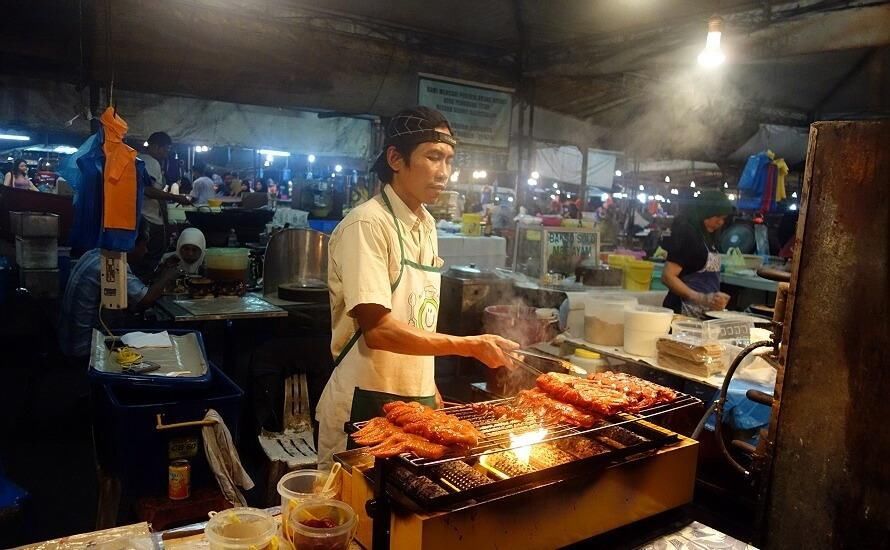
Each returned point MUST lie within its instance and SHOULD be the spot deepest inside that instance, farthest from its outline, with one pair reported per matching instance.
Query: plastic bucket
(643, 326)
(638, 275)
(241, 529)
(337, 537)
(300, 486)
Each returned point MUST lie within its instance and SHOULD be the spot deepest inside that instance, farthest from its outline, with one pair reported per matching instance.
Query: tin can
(179, 480)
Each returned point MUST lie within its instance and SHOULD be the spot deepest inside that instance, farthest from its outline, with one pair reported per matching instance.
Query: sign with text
(479, 116)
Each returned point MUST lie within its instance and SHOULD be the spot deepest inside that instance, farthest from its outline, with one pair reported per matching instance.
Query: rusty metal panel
(829, 485)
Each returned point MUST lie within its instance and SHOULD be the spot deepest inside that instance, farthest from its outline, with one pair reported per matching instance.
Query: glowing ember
(522, 444)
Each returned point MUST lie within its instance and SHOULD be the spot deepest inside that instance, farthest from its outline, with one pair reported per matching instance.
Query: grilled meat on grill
(399, 443)
(499, 411)
(437, 426)
(375, 431)
(582, 393)
(642, 393)
(549, 409)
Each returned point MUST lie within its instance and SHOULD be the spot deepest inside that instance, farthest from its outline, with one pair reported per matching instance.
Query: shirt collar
(405, 215)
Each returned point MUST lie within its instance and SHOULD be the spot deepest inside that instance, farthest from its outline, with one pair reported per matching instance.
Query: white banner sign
(479, 116)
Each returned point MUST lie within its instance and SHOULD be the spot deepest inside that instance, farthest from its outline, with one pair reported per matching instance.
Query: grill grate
(496, 431)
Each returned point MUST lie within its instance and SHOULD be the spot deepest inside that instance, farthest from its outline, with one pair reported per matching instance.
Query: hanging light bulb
(667, 179)
(731, 196)
(311, 159)
(712, 56)
(726, 185)
(454, 176)
(618, 173)
(794, 195)
(675, 191)
(692, 184)
(642, 188)
(535, 175)
(604, 197)
(338, 168)
(792, 207)
(532, 182)
(642, 198)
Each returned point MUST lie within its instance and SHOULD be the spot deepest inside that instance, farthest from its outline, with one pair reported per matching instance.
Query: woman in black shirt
(692, 269)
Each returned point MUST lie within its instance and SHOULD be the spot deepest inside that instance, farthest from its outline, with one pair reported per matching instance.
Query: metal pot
(295, 255)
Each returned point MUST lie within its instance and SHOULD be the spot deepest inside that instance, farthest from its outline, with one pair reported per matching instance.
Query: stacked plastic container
(37, 252)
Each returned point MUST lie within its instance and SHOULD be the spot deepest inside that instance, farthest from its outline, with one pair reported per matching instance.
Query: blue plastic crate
(128, 443)
(151, 381)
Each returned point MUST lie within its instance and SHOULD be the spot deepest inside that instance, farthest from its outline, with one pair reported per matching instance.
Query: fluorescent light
(65, 150)
(532, 182)
(667, 179)
(270, 158)
(311, 159)
(692, 184)
(14, 137)
(535, 175)
(712, 56)
(274, 153)
(267, 163)
(338, 168)
(618, 173)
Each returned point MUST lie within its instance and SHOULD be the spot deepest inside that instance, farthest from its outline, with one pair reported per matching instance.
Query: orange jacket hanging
(119, 204)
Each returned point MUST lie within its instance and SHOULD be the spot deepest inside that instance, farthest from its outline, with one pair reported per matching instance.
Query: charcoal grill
(627, 437)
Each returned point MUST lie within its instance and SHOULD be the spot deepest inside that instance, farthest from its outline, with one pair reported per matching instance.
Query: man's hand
(714, 301)
(491, 350)
(439, 401)
(184, 200)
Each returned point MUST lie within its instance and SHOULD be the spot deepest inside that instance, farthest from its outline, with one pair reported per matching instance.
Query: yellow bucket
(619, 261)
(638, 275)
(471, 224)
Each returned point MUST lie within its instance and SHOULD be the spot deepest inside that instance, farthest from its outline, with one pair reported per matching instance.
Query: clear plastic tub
(338, 537)
(300, 486)
(241, 529)
(604, 319)
(735, 331)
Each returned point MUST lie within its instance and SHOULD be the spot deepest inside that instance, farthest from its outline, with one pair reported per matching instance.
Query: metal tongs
(519, 360)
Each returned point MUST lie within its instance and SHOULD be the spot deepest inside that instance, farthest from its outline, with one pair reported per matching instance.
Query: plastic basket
(129, 444)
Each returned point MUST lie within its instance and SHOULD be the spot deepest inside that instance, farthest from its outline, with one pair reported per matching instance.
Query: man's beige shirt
(364, 258)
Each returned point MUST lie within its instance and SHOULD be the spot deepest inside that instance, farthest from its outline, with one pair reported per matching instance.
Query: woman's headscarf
(193, 237)
(708, 204)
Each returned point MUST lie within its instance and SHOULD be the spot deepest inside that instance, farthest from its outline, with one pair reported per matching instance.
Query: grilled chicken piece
(438, 427)
(642, 393)
(375, 431)
(400, 443)
(585, 394)
(549, 409)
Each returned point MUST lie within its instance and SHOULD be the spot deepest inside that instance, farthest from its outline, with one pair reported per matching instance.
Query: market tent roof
(625, 66)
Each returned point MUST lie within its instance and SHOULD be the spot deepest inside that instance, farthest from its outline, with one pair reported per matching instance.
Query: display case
(542, 250)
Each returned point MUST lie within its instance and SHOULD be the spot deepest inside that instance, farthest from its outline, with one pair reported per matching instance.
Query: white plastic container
(604, 319)
(643, 326)
(300, 486)
(241, 529)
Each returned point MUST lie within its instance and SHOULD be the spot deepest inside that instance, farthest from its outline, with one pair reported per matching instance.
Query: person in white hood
(190, 249)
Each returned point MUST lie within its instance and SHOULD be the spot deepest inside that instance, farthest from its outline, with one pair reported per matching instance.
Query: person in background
(692, 269)
(190, 249)
(272, 189)
(185, 185)
(18, 176)
(202, 187)
(82, 301)
(154, 204)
